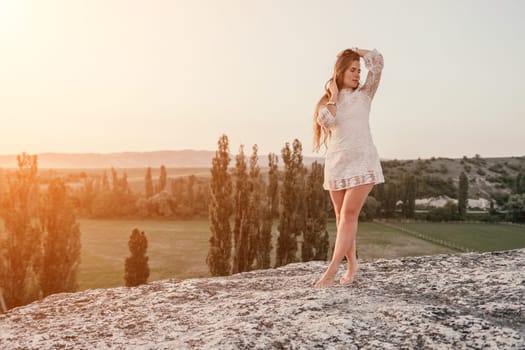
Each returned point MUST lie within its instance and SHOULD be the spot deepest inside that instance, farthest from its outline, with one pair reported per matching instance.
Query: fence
(428, 238)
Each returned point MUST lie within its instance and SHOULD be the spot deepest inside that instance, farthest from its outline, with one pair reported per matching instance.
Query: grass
(178, 249)
(481, 237)
(175, 250)
(377, 241)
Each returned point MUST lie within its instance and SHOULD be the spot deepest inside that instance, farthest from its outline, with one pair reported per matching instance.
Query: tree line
(40, 249)
(384, 200)
(243, 208)
(104, 196)
(109, 195)
(248, 210)
(396, 199)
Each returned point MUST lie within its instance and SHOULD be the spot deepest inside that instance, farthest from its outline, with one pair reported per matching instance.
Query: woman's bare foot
(327, 280)
(347, 278)
(349, 275)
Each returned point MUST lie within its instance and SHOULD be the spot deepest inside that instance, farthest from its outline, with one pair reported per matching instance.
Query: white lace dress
(351, 158)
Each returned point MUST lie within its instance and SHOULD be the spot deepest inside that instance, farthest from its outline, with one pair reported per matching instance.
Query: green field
(377, 241)
(481, 237)
(177, 249)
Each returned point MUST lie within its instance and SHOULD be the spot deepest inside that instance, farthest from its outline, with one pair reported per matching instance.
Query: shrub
(448, 212)
(136, 267)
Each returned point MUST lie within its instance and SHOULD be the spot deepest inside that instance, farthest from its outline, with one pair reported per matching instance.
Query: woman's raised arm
(374, 63)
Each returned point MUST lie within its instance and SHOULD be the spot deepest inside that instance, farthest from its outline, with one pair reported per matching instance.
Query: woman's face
(352, 75)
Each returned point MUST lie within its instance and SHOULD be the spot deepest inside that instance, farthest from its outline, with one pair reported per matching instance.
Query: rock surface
(464, 301)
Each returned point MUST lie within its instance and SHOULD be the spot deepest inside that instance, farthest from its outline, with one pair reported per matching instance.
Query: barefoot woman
(352, 164)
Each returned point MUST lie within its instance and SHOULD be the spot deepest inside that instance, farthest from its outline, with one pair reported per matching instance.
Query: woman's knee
(349, 214)
(354, 202)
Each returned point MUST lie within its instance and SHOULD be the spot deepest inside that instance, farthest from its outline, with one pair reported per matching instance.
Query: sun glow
(12, 16)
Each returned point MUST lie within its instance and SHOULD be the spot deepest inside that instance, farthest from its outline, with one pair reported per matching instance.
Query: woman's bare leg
(337, 201)
(351, 259)
(351, 255)
(351, 252)
(353, 201)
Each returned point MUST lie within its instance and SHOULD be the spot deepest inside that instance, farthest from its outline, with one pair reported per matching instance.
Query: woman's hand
(334, 91)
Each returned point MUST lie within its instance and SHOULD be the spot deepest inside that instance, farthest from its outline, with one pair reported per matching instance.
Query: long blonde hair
(344, 60)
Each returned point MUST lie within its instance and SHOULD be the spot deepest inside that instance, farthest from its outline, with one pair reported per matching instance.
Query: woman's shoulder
(323, 100)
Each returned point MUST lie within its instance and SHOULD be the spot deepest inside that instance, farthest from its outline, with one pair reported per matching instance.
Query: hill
(489, 178)
(172, 159)
(437, 178)
(443, 301)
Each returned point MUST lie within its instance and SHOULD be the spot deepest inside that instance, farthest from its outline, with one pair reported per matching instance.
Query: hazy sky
(128, 75)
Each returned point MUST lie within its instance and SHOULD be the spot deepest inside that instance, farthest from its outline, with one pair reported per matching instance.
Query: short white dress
(351, 158)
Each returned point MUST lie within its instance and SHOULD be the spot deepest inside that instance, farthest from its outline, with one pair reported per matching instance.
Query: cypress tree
(136, 266)
(240, 230)
(255, 210)
(391, 197)
(148, 184)
(120, 185)
(105, 181)
(462, 195)
(378, 192)
(61, 242)
(220, 211)
(124, 183)
(101, 206)
(300, 190)
(316, 241)
(22, 246)
(273, 185)
(264, 246)
(115, 181)
(286, 243)
(163, 178)
(409, 200)
(177, 189)
(291, 221)
(121, 198)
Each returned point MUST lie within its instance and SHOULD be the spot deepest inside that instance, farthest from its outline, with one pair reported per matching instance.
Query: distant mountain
(170, 159)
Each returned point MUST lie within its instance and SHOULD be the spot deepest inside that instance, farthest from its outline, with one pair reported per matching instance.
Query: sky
(107, 76)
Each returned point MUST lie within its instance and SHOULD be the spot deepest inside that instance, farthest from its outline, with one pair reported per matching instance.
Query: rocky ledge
(464, 301)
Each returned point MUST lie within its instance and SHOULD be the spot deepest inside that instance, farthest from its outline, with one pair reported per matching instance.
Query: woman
(352, 164)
